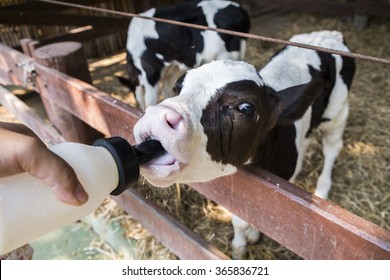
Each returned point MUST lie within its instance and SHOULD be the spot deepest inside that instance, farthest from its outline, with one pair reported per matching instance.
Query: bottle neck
(126, 161)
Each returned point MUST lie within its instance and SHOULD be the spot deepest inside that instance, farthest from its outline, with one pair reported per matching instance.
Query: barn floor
(362, 172)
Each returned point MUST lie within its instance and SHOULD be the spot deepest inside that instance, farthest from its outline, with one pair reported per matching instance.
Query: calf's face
(214, 126)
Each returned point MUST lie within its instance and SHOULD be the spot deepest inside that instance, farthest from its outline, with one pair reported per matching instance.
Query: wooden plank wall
(52, 23)
(309, 226)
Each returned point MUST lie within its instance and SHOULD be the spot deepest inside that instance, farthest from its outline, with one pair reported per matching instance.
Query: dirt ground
(361, 178)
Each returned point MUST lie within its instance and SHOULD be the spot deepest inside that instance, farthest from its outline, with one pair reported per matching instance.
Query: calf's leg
(243, 232)
(332, 142)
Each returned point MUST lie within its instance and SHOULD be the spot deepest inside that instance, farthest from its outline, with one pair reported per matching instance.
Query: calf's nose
(164, 119)
(173, 119)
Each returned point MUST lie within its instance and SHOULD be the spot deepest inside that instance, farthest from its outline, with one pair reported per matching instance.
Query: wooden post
(69, 58)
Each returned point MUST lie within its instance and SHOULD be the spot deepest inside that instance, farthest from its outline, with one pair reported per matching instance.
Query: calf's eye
(247, 109)
(179, 85)
(176, 90)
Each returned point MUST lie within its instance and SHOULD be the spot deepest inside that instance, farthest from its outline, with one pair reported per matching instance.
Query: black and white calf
(227, 115)
(151, 46)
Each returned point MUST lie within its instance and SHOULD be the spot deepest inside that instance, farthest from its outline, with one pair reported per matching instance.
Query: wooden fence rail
(309, 226)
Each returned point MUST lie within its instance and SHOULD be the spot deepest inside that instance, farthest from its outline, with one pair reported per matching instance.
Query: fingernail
(81, 194)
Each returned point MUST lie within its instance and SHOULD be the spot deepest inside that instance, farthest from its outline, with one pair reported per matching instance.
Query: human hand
(22, 151)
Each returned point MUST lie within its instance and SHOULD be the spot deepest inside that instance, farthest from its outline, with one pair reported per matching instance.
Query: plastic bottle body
(29, 208)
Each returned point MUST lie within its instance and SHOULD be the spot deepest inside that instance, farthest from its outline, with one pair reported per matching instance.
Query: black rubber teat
(126, 160)
(148, 150)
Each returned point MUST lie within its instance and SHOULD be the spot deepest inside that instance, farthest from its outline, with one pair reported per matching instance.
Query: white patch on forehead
(214, 75)
(202, 83)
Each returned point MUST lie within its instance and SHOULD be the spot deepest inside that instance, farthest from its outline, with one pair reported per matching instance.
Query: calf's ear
(294, 101)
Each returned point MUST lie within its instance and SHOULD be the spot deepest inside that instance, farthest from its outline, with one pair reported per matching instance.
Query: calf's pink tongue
(165, 159)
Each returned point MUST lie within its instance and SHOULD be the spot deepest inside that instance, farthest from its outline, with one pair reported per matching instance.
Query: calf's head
(217, 122)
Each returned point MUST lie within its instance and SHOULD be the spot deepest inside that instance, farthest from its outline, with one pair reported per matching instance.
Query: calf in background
(151, 46)
(228, 115)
